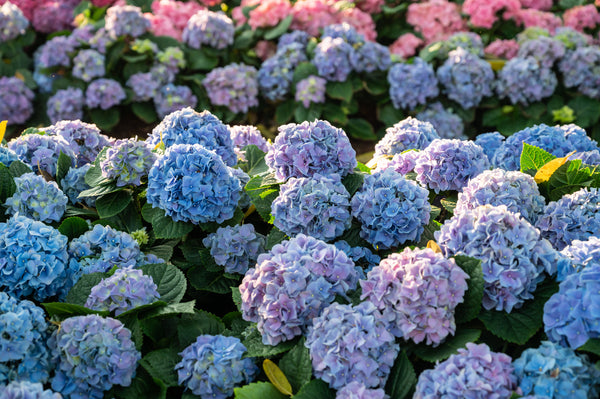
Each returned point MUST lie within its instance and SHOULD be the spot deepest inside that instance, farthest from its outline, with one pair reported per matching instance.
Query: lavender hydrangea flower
(16, 99)
(276, 73)
(192, 184)
(465, 78)
(575, 216)
(214, 29)
(412, 84)
(236, 248)
(357, 390)
(295, 36)
(187, 126)
(580, 68)
(85, 139)
(532, 33)
(302, 150)
(66, 104)
(362, 257)
(23, 354)
(580, 254)
(55, 52)
(513, 254)
(332, 59)
(570, 38)
(490, 142)
(234, 86)
(524, 80)
(74, 183)
(447, 124)
(318, 206)
(244, 135)
(7, 156)
(143, 85)
(214, 365)
(311, 90)
(407, 134)
(172, 57)
(37, 264)
(417, 291)
(37, 199)
(391, 209)
(27, 390)
(127, 161)
(91, 354)
(351, 343)
(292, 283)
(475, 372)
(370, 57)
(543, 49)
(40, 151)
(402, 163)
(553, 371)
(588, 157)
(171, 98)
(345, 32)
(83, 34)
(450, 164)
(12, 22)
(518, 191)
(88, 65)
(126, 21)
(104, 94)
(101, 40)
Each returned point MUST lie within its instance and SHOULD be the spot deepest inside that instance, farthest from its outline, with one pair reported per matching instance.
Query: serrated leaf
(141, 309)
(65, 310)
(277, 377)
(145, 111)
(204, 280)
(471, 305)
(402, 378)
(315, 389)
(449, 204)
(63, 165)
(80, 292)
(262, 196)
(353, 182)
(285, 111)
(101, 189)
(533, 158)
(18, 168)
(258, 390)
(112, 204)
(297, 366)
(160, 364)
(164, 252)
(592, 346)
(303, 71)
(191, 326)
(170, 281)
(274, 237)
(200, 60)
(165, 227)
(7, 184)
(256, 348)
(361, 129)
(170, 310)
(449, 347)
(73, 227)
(237, 297)
(255, 158)
(340, 90)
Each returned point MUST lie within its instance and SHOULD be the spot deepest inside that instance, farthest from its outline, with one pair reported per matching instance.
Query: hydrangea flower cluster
(88, 64)
(234, 86)
(66, 104)
(506, 49)
(581, 17)
(391, 209)
(92, 344)
(332, 59)
(126, 21)
(104, 93)
(172, 57)
(484, 13)
(446, 123)
(214, 29)
(168, 18)
(27, 390)
(512, 253)
(406, 45)
(524, 80)
(171, 98)
(55, 52)
(490, 142)
(16, 99)
(187, 126)
(518, 191)
(12, 22)
(448, 19)
(469, 41)
(236, 248)
(318, 206)
(192, 184)
(370, 57)
(465, 78)
(101, 40)
(412, 84)
(40, 151)
(302, 150)
(7, 156)
(357, 390)
(571, 38)
(579, 69)
(74, 183)
(311, 90)
(362, 257)
(85, 139)
(52, 16)
(126, 289)
(475, 372)
(143, 85)
(37, 199)
(214, 365)
(573, 217)
(292, 283)
(543, 49)
(402, 163)
(580, 254)
(34, 260)
(276, 73)
(407, 134)
(23, 355)
(127, 161)
(244, 135)
(351, 343)
(417, 291)
(553, 371)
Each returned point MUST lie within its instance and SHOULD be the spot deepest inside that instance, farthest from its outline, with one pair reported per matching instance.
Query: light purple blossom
(41, 151)
(88, 65)
(580, 254)
(234, 86)
(127, 161)
(171, 98)
(12, 22)
(311, 90)
(16, 100)
(412, 84)
(236, 248)
(104, 94)
(332, 59)
(66, 104)
(126, 20)
(407, 134)
(37, 199)
(244, 135)
(525, 81)
(545, 50)
(85, 139)
(214, 29)
(447, 124)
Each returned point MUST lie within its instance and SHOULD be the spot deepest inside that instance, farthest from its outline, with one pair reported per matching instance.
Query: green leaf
(296, 365)
(274, 237)
(315, 389)
(170, 310)
(73, 227)
(102, 189)
(204, 280)
(449, 347)
(471, 305)
(7, 184)
(389, 115)
(570, 177)
(142, 309)
(142, 386)
(360, 129)
(170, 281)
(262, 196)
(65, 310)
(163, 225)
(303, 71)
(164, 252)
(237, 297)
(200, 60)
(353, 182)
(165, 41)
(114, 54)
(62, 167)
(105, 119)
(191, 326)
(255, 158)
(112, 204)
(449, 204)
(285, 111)
(352, 236)
(145, 111)
(402, 379)
(334, 113)
(244, 40)
(18, 168)
(280, 29)
(592, 346)
(160, 364)
(376, 86)
(80, 292)
(586, 109)
(533, 158)
(259, 390)
(256, 348)
(340, 90)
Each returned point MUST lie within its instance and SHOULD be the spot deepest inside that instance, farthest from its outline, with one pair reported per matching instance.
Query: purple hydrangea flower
(126, 21)
(83, 34)
(104, 94)
(91, 354)
(53, 16)
(143, 85)
(214, 365)
(85, 139)
(513, 254)
(7, 156)
(318, 206)
(580, 254)
(171, 98)
(41, 151)
(234, 86)
(16, 99)
(412, 84)
(580, 68)
(524, 80)
(490, 142)
(192, 184)
(292, 283)
(450, 164)
(391, 209)
(311, 90)
(357, 390)
(417, 291)
(244, 135)
(37, 199)
(295, 36)
(88, 65)
(407, 134)
(345, 32)
(74, 183)
(475, 372)
(127, 161)
(163, 74)
(588, 157)
(361, 256)
(571, 38)
(236, 248)
(402, 163)
(27, 390)
(446, 123)
(12, 22)
(214, 29)
(101, 40)
(302, 150)
(55, 52)
(276, 73)
(351, 343)
(66, 104)
(466, 78)
(332, 59)
(545, 50)
(370, 57)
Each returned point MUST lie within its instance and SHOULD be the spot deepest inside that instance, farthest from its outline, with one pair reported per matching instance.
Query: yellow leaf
(543, 175)
(277, 377)
(161, 144)
(497, 64)
(20, 76)
(2, 129)
(433, 246)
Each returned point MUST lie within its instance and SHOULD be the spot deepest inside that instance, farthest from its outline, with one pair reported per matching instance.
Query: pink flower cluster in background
(268, 13)
(581, 17)
(47, 16)
(406, 45)
(435, 19)
(169, 17)
(483, 13)
(503, 48)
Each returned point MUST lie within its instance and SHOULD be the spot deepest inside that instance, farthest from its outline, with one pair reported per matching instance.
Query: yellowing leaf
(434, 246)
(20, 76)
(544, 173)
(161, 144)
(2, 129)
(497, 64)
(277, 377)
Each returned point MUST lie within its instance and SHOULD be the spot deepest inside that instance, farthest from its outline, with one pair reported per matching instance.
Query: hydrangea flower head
(234, 86)
(27, 390)
(74, 183)
(16, 99)
(245, 135)
(53, 16)
(41, 151)
(345, 31)
(483, 13)
(446, 123)
(580, 68)
(332, 59)
(544, 49)
(402, 163)
(370, 57)
(214, 29)
(407, 134)
(85, 139)
(362, 257)
(55, 52)
(580, 254)
(506, 49)
(295, 36)
(12, 22)
(171, 98)
(7, 156)
(357, 390)
(104, 93)
(127, 161)
(276, 73)
(88, 64)
(37, 199)
(447, 21)
(571, 38)
(126, 21)
(236, 248)
(143, 85)
(490, 142)
(412, 84)
(66, 104)
(311, 90)
(525, 81)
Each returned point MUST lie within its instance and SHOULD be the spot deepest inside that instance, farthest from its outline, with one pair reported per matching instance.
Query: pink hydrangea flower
(406, 45)
(370, 6)
(506, 49)
(26, 6)
(313, 15)
(53, 16)
(269, 13)
(102, 3)
(581, 17)
(169, 17)
(360, 20)
(264, 49)
(483, 13)
(543, 5)
(542, 19)
(435, 19)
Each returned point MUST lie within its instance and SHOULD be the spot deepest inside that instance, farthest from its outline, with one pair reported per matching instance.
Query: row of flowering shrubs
(479, 66)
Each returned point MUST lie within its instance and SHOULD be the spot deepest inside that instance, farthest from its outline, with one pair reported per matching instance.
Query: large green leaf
(279, 30)
(402, 378)
(296, 365)
(340, 90)
(315, 389)
(259, 390)
(63, 165)
(170, 281)
(66, 310)
(191, 326)
(533, 158)
(359, 128)
(7, 184)
(73, 227)
(160, 364)
(592, 346)
(80, 292)
(447, 348)
(471, 305)
(256, 348)
(112, 204)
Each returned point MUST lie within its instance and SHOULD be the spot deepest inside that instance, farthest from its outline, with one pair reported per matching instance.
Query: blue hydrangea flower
(357, 390)
(370, 57)
(44, 81)
(187, 126)
(412, 84)
(513, 255)
(276, 73)
(234, 86)
(192, 184)
(83, 34)
(7, 156)
(37, 199)
(311, 90)
(55, 52)
(490, 142)
(362, 257)
(588, 157)
(214, 29)
(332, 59)
(27, 389)
(417, 291)
(402, 163)
(214, 365)
(295, 36)
(570, 38)
(244, 135)
(171, 98)
(74, 183)
(65, 104)
(88, 64)
(553, 371)
(344, 31)
(475, 372)
(85, 139)
(292, 283)
(391, 209)
(545, 50)
(16, 99)
(91, 354)
(143, 85)
(302, 150)
(465, 78)
(236, 248)
(127, 161)
(126, 21)
(525, 81)
(447, 124)
(12, 22)
(580, 70)
(101, 40)
(40, 151)
(34, 260)
(407, 134)
(104, 94)
(450, 164)
(573, 217)
(351, 343)
(126, 289)
(580, 254)
(23, 354)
